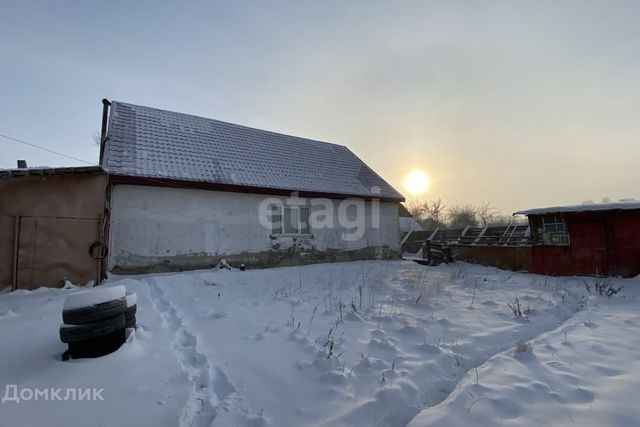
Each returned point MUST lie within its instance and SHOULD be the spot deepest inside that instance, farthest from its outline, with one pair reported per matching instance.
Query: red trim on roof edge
(201, 185)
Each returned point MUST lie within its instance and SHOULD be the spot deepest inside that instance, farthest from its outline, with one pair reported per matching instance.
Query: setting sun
(416, 182)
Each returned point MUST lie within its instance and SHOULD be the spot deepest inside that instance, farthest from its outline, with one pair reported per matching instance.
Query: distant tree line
(435, 213)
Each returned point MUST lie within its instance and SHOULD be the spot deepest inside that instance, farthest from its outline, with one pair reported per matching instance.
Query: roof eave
(212, 186)
(530, 212)
(45, 171)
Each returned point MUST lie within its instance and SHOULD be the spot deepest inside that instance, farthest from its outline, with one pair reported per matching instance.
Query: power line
(46, 149)
(84, 161)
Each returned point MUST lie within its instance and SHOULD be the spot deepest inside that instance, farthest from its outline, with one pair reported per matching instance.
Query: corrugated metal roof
(152, 143)
(582, 208)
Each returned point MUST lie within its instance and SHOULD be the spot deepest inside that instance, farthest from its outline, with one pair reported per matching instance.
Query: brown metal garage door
(48, 250)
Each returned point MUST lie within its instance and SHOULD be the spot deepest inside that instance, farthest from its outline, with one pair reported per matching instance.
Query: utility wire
(176, 185)
(46, 149)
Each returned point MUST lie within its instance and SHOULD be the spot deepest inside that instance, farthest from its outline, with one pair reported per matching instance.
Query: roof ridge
(230, 123)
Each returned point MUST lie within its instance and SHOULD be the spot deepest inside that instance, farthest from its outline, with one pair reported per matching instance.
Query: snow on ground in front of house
(143, 383)
(378, 343)
(583, 373)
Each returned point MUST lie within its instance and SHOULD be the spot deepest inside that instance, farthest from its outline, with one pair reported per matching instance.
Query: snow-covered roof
(47, 170)
(588, 207)
(157, 144)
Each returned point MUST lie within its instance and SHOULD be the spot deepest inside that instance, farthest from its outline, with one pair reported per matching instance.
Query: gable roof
(155, 144)
(403, 211)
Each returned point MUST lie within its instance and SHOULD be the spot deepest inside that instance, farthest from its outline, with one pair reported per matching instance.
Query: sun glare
(416, 182)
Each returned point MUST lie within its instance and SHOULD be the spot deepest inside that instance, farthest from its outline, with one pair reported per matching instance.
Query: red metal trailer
(591, 239)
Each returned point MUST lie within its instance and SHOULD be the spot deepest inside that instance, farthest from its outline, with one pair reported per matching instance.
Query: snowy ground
(353, 344)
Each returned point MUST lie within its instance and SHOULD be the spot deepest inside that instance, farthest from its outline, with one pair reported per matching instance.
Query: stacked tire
(95, 321)
(132, 308)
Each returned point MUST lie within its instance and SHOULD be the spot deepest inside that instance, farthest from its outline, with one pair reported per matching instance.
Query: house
(407, 221)
(590, 239)
(52, 225)
(186, 192)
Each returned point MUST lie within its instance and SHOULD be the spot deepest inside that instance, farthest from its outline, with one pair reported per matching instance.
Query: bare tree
(499, 220)
(461, 215)
(434, 215)
(486, 213)
(489, 216)
(417, 209)
(430, 213)
(436, 212)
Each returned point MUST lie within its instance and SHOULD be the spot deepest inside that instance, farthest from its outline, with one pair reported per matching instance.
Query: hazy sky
(519, 103)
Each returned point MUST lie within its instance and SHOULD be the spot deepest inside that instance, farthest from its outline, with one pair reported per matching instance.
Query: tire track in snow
(210, 387)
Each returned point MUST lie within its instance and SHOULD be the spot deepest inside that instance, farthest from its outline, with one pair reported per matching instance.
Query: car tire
(130, 316)
(131, 312)
(131, 322)
(79, 333)
(95, 313)
(97, 347)
(132, 298)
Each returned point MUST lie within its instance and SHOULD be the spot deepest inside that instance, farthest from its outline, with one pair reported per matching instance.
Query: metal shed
(591, 239)
(49, 219)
